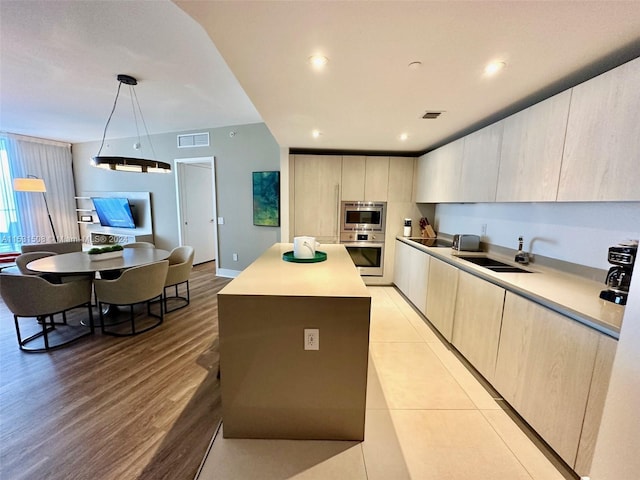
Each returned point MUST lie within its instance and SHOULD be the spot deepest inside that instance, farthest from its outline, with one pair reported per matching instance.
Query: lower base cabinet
(477, 319)
(552, 370)
(411, 274)
(441, 296)
(544, 370)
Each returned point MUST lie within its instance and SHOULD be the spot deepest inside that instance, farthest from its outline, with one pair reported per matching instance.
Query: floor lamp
(34, 184)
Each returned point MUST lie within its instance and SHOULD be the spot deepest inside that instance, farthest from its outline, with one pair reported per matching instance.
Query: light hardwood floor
(105, 408)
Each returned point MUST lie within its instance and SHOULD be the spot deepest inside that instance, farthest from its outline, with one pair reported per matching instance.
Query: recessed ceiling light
(403, 137)
(494, 67)
(316, 133)
(415, 65)
(318, 61)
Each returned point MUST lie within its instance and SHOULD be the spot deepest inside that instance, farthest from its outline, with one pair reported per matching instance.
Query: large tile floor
(427, 418)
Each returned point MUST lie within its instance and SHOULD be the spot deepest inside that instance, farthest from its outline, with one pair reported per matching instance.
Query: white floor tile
(452, 445)
(240, 459)
(388, 324)
(411, 376)
(533, 460)
(472, 387)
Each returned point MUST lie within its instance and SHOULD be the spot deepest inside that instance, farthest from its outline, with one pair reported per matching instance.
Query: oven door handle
(363, 244)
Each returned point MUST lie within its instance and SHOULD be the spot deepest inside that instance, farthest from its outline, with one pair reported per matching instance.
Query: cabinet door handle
(338, 211)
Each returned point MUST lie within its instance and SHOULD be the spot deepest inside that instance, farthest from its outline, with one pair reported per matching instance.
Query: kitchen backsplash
(578, 233)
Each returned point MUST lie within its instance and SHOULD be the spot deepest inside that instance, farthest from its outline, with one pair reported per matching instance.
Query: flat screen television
(114, 212)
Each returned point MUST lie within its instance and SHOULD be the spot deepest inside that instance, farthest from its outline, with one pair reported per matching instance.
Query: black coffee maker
(618, 279)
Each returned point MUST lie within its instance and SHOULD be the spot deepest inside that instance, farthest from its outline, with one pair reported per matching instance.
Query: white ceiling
(59, 60)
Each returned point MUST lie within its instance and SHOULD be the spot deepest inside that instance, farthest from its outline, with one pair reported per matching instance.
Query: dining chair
(23, 259)
(139, 245)
(31, 296)
(136, 285)
(180, 263)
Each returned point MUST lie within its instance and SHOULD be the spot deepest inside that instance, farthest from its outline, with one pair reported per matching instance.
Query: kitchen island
(271, 386)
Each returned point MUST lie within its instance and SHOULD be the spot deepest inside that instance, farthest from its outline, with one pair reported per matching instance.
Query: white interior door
(196, 208)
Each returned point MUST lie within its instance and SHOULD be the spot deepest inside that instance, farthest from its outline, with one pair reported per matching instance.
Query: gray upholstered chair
(23, 259)
(60, 247)
(136, 285)
(180, 263)
(139, 245)
(33, 296)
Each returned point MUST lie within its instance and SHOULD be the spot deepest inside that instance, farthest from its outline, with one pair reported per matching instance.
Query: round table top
(80, 262)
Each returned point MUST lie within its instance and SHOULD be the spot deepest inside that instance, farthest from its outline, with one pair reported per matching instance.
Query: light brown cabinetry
(441, 296)
(376, 181)
(477, 319)
(552, 370)
(607, 347)
(480, 164)
(579, 145)
(531, 152)
(317, 196)
(600, 160)
(411, 274)
(438, 175)
(544, 370)
(401, 179)
(353, 175)
(365, 178)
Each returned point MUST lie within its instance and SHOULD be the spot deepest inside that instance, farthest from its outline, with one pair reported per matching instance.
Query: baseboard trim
(227, 273)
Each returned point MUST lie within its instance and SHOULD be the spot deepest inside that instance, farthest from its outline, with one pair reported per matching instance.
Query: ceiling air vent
(193, 140)
(431, 115)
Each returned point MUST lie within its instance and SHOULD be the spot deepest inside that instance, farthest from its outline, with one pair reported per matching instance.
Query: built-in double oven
(362, 234)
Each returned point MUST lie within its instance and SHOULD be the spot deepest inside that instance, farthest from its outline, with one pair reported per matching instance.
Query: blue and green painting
(266, 199)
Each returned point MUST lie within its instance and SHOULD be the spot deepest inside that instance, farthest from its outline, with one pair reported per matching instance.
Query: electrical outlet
(311, 339)
(235, 257)
(483, 230)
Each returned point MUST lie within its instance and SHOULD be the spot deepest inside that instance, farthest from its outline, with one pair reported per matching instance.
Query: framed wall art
(266, 199)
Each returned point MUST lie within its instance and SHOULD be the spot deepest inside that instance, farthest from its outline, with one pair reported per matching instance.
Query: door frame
(211, 161)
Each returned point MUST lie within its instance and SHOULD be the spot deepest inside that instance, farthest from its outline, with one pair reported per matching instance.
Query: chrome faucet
(522, 256)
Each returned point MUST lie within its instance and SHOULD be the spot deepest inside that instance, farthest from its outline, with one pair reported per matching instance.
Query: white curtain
(52, 162)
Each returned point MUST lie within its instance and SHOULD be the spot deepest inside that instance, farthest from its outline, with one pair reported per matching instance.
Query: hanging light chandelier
(129, 164)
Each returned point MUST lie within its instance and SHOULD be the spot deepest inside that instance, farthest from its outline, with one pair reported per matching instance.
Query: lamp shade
(29, 185)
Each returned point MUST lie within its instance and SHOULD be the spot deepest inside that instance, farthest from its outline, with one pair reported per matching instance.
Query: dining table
(75, 263)
(83, 262)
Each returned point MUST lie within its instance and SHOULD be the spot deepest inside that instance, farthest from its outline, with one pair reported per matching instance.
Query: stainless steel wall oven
(362, 234)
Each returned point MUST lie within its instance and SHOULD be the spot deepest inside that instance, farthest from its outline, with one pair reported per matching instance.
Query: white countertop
(337, 276)
(568, 294)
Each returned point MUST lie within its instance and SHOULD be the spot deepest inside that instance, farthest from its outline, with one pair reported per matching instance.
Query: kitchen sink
(494, 265)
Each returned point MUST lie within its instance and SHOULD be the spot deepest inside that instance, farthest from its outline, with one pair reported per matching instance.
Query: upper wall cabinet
(376, 181)
(365, 178)
(401, 179)
(438, 175)
(353, 171)
(532, 151)
(480, 164)
(602, 149)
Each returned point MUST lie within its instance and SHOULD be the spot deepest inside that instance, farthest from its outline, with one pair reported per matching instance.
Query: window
(9, 229)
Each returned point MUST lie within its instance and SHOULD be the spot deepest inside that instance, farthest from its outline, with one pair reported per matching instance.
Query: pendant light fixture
(129, 164)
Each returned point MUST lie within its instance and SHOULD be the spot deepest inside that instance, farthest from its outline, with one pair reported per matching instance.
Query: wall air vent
(431, 115)
(193, 140)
